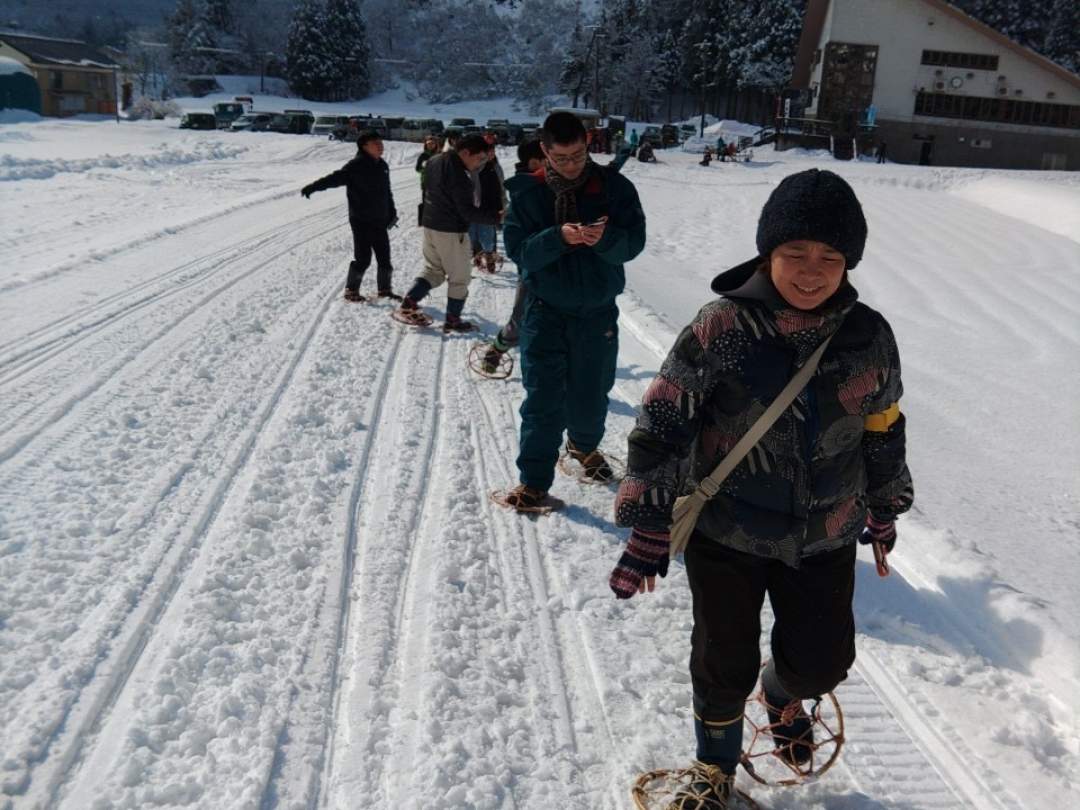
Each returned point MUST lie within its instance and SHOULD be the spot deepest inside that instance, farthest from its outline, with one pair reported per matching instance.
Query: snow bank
(14, 168)
(18, 117)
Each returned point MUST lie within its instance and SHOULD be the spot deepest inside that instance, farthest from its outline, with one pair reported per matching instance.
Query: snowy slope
(247, 558)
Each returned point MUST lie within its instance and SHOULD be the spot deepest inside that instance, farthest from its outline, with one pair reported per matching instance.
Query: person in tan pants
(449, 209)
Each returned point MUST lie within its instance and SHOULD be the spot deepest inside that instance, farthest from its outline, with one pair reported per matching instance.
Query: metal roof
(61, 52)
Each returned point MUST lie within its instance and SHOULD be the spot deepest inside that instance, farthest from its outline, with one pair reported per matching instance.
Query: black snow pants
(368, 238)
(813, 634)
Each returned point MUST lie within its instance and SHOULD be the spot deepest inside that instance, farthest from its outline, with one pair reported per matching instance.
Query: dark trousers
(567, 369)
(368, 238)
(508, 335)
(813, 634)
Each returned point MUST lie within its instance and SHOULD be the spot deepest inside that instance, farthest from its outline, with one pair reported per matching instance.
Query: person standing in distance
(371, 213)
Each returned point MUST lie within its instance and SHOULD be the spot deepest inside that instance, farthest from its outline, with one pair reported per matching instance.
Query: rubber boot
(794, 738)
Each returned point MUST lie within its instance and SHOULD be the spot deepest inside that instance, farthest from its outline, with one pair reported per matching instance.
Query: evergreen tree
(309, 66)
(572, 68)
(1063, 35)
(766, 37)
(218, 14)
(1022, 21)
(189, 35)
(198, 56)
(346, 37)
(668, 67)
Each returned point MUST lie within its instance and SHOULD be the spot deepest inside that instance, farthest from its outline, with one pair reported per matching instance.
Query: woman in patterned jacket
(830, 471)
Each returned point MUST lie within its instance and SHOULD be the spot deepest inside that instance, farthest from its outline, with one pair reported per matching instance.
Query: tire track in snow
(575, 679)
(22, 357)
(83, 722)
(53, 421)
(566, 646)
(387, 509)
(287, 779)
(154, 236)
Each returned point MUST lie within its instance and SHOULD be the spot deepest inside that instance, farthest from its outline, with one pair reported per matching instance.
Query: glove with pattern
(879, 531)
(646, 555)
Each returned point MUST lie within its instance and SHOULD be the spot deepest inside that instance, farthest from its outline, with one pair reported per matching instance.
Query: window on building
(1001, 110)
(972, 61)
(57, 78)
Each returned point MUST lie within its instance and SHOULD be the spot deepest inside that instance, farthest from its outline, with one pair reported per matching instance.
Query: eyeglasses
(569, 160)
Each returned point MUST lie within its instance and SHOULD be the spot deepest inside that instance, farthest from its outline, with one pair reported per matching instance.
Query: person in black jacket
(449, 209)
(371, 213)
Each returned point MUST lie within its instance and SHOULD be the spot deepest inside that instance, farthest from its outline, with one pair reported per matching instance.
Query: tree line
(626, 56)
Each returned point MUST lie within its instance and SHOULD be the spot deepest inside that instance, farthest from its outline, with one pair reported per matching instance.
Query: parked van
(326, 124)
(198, 120)
(226, 112)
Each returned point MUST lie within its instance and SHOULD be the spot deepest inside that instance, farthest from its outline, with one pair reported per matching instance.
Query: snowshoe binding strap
(527, 500)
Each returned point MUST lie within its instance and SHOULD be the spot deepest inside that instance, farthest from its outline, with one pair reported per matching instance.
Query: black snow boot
(792, 728)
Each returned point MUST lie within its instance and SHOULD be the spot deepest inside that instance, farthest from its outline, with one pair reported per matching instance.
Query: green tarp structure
(18, 88)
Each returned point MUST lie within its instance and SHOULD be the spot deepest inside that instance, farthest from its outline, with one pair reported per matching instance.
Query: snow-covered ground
(247, 558)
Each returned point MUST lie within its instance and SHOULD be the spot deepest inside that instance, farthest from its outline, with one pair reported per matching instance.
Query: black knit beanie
(817, 205)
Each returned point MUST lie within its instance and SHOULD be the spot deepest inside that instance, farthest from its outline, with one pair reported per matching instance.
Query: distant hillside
(62, 15)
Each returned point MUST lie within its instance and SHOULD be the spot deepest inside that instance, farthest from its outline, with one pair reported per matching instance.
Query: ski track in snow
(294, 591)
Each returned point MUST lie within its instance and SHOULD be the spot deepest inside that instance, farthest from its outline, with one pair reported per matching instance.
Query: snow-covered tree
(1063, 35)
(309, 64)
(346, 38)
(668, 67)
(764, 42)
(573, 66)
(218, 14)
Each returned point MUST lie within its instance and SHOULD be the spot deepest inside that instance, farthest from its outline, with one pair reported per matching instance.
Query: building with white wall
(935, 86)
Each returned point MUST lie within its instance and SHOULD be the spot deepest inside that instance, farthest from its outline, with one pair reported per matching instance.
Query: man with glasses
(449, 209)
(569, 231)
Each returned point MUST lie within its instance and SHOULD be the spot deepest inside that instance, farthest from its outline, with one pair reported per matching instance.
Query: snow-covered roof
(68, 52)
(9, 66)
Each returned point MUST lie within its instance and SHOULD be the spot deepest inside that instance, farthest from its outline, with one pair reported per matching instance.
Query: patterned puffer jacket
(835, 453)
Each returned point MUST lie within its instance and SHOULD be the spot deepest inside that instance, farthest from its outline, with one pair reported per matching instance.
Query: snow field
(248, 559)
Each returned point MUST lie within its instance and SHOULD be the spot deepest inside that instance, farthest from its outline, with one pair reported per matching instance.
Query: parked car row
(237, 116)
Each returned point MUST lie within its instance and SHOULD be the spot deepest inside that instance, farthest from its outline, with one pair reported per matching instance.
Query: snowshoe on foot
(489, 262)
(709, 788)
(527, 500)
(455, 323)
(409, 313)
(393, 296)
(354, 296)
(792, 730)
(595, 466)
(488, 361)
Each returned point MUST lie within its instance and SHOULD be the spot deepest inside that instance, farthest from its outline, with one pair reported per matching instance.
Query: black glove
(307, 191)
(879, 531)
(392, 223)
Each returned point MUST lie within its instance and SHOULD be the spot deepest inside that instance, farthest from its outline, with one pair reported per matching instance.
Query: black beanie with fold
(817, 205)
